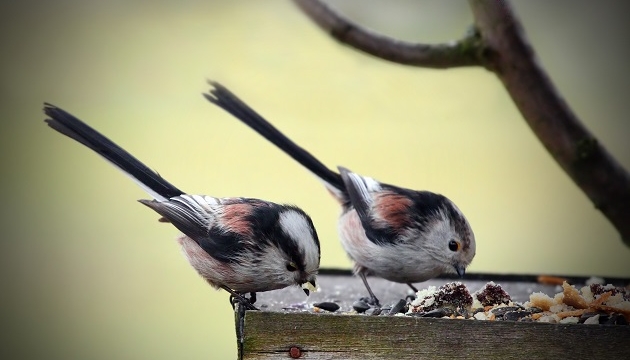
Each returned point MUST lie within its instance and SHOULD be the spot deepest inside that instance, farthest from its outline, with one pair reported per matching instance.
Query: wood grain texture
(270, 335)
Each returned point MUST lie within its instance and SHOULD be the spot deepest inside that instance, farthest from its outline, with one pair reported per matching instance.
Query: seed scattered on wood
(588, 315)
(399, 307)
(360, 306)
(373, 311)
(551, 280)
(327, 305)
(615, 319)
(499, 312)
(438, 313)
(515, 315)
(535, 310)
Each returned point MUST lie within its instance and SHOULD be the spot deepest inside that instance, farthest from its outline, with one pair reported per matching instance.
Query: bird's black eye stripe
(291, 267)
(453, 245)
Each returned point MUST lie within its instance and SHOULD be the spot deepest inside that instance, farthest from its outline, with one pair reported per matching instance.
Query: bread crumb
(593, 320)
(594, 280)
(572, 297)
(587, 294)
(551, 280)
(600, 300)
(541, 300)
(559, 308)
(616, 299)
(552, 319)
(422, 294)
(538, 315)
(569, 320)
(565, 314)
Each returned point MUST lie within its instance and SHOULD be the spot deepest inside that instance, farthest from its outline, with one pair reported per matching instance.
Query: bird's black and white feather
(395, 233)
(242, 245)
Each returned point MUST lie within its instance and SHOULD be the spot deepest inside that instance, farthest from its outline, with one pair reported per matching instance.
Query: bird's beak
(461, 270)
(309, 286)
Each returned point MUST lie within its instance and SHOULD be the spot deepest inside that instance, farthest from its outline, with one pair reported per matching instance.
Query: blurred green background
(87, 272)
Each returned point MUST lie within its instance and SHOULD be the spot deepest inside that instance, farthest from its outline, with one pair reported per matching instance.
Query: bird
(239, 244)
(399, 234)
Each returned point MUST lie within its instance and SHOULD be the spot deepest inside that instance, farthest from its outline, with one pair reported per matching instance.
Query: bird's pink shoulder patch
(234, 218)
(391, 209)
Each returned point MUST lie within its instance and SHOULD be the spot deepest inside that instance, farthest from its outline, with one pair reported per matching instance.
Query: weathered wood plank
(270, 335)
(287, 320)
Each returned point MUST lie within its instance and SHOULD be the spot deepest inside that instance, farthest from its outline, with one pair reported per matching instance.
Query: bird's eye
(453, 245)
(291, 266)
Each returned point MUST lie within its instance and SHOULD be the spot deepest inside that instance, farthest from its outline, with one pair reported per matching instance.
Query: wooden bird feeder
(288, 326)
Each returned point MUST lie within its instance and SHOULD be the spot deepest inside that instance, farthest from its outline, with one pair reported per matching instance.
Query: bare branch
(500, 45)
(574, 148)
(464, 52)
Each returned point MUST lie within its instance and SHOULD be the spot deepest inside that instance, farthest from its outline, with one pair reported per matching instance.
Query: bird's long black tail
(76, 129)
(229, 102)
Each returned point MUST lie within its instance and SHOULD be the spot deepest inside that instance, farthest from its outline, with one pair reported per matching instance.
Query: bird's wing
(383, 209)
(360, 190)
(221, 227)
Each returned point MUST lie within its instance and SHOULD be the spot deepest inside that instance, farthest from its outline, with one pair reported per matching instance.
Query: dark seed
(534, 310)
(515, 315)
(399, 307)
(438, 313)
(360, 306)
(586, 316)
(462, 312)
(328, 306)
(603, 318)
(502, 310)
(616, 319)
(373, 311)
(478, 310)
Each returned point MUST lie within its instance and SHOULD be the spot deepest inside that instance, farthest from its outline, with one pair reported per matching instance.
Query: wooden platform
(287, 327)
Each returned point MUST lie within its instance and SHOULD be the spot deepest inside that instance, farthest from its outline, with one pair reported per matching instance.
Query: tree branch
(574, 148)
(500, 45)
(459, 53)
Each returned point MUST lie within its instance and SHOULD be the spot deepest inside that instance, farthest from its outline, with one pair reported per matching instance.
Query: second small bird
(398, 234)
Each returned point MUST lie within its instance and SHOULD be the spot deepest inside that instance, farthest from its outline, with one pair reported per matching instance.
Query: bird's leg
(238, 298)
(373, 298)
(411, 297)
